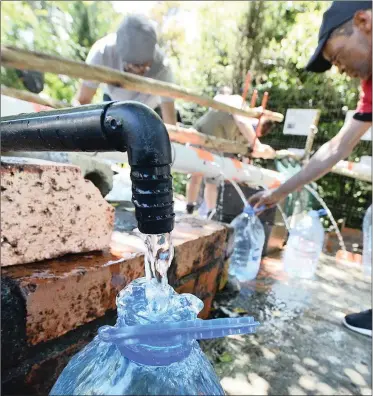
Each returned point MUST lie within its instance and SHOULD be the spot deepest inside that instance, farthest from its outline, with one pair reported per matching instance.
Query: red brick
(352, 238)
(208, 281)
(187, 287)
(214, 247)
(64, 293)
(201, 241)
(224, 275)
(204, 314)
(49, 210)
(349, 257)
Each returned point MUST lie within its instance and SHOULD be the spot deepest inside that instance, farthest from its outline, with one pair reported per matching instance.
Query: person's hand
(259, 109)
(266, 198)
(75, 102)
(263, 151)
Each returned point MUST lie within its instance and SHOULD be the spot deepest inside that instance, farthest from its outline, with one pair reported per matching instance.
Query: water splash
(329, 213)
(158, 258)
(283, 215)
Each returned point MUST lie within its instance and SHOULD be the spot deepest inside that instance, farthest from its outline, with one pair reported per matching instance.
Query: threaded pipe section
(152, 197)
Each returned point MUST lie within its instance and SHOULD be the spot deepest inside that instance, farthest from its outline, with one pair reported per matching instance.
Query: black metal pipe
(112, 126)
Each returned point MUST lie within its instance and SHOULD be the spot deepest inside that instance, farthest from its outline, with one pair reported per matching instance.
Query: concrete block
(49, 210)
(93, 169)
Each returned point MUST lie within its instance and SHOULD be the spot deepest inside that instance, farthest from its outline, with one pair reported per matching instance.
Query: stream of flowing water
(318, 198)
(158, 257)
(310, 189)
(242, 196)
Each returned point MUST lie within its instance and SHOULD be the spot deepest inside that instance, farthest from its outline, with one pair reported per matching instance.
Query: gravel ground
(301, 347)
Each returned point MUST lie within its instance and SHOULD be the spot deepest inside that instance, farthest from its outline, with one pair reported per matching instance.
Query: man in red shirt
(345, 40)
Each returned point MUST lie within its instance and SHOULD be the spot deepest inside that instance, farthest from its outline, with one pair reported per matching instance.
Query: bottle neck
(156, 355)
(136, 308)
(249, 210)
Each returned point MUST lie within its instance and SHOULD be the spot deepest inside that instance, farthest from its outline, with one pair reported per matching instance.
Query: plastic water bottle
(152, 349)
(248, 245)
(305, 245)
(367, 247)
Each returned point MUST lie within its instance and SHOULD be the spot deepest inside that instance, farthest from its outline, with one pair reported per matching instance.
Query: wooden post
(258, 131)
(311, 137)
(23, 59)
(265, 100)
(33, 98)
(177, 134)
(254, 98)
(246, 87)
(191, 136)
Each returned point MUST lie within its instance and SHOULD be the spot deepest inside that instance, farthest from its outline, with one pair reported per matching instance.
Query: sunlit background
(209, 44)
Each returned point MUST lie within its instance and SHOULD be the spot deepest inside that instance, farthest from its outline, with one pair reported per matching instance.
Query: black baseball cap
(336, 15)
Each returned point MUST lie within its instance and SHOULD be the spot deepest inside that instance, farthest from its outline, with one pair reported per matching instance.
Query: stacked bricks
(52, 308)
(51, 305)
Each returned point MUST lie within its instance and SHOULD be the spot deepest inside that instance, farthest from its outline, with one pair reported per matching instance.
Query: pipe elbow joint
(135, 128)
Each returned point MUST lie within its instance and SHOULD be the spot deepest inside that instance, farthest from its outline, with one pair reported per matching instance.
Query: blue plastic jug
(152, 349)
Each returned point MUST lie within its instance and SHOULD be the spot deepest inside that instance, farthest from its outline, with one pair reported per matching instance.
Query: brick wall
(52, 308)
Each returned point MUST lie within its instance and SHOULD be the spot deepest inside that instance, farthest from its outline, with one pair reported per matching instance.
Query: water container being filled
(367, 247)
(249, 239)
(152, 349)
(304, 246)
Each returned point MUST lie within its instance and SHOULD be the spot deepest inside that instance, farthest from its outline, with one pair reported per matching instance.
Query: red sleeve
(365, 102)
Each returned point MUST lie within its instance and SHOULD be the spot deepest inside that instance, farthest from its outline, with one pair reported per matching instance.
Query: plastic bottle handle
(182, 331)
(263, 207)
(249, 209)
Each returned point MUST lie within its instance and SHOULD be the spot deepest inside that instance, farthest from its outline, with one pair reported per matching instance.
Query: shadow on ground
(301, 347)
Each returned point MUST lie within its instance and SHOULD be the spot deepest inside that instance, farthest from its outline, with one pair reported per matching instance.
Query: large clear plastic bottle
(304, 246)
(367, 247)
(249, 238)
(152, 349)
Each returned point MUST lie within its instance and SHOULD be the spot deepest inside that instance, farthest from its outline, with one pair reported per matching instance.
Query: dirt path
(301, 348)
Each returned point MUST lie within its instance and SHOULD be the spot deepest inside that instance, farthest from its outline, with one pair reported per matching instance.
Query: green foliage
(63, 28)
(179, 182)
(226, 357)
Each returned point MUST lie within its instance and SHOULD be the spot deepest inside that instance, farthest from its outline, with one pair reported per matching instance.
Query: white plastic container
(304, 246)
(248, 245)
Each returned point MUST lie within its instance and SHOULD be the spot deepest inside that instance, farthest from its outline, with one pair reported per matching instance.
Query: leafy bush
(179, 182)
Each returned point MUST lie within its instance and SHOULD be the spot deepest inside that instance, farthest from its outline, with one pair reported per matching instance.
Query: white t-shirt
(104, 53)
(224, 125)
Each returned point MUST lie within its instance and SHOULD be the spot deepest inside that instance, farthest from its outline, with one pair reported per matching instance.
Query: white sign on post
(299, 121)
(368, 134)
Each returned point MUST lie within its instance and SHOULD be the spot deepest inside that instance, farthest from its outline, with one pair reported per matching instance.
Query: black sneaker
(360, 322)
(190, 208)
